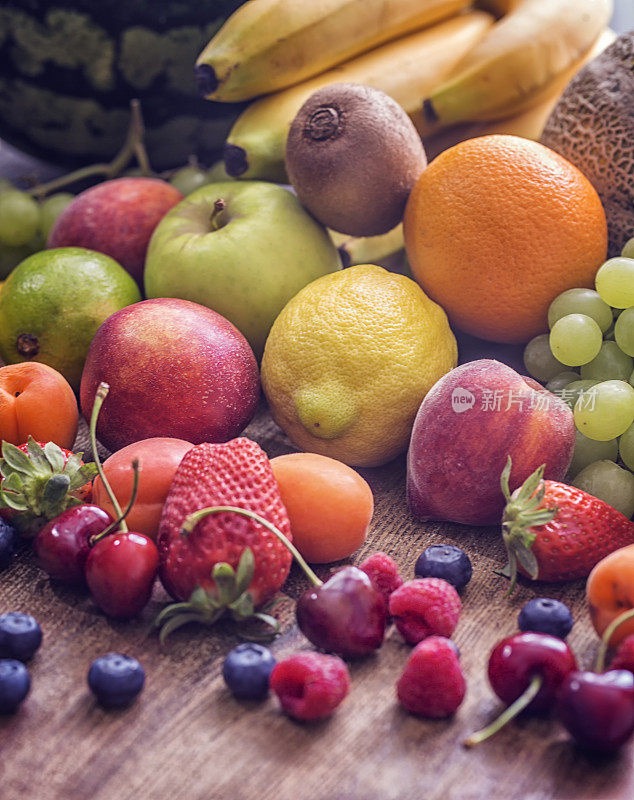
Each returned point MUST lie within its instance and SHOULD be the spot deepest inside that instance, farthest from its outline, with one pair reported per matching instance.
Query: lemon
(53, 302)
(349, 360)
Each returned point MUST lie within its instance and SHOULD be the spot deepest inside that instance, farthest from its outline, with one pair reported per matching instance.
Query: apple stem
(193, 519)
(508, 714)
(100, 396)
(133, 146)
(599, 665)
(113, 525)
(217, 220)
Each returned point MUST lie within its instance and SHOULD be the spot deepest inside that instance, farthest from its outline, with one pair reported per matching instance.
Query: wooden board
(186, 737)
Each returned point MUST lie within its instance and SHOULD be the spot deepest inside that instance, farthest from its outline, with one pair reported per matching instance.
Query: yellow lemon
(349, 360)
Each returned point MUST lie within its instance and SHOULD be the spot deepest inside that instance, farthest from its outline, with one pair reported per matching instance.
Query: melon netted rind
(592, 125)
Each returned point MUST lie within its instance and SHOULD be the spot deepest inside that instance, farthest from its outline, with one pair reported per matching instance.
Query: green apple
(241, 248)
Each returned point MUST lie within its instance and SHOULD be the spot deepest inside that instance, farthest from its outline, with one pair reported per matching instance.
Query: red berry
(432, 683)
(120, 573)
(310, 685)
(424, 607)
(382, 570)
(63, 544)
(624, 657)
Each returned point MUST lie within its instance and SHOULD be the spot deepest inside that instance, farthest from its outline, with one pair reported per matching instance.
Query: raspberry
(423, 607)
(624, 656)
(310, 685)
(383, 572)
(432, 683)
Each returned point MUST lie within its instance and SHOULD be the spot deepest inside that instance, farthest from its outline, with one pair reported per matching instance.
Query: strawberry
(224, 561)
(39, 481)
(556, 532)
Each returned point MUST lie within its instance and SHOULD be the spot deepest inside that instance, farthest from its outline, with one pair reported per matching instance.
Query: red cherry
(345, 615)
(598, 709)
(120, 571)
(63, 544)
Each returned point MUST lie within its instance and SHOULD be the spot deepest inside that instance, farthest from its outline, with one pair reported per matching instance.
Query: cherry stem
(119, 520)
(599, 665)
(193, 519)
(133, 146)
(508, 714)
(100, 396)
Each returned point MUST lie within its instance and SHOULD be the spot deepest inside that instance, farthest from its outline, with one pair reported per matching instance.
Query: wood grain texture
(186, 738)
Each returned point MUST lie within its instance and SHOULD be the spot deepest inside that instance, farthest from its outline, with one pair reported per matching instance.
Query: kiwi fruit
(592, 125)
(353, 156)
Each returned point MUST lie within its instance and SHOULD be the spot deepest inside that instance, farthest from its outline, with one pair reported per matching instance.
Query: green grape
(217, 173)
(19, 217)
(606, 410)
(576, 389)
(587, 451)
(628, 249)
(5, 185)
(581, 301)
(560, 381)
(189, 178)
(615, 282)
(539, 360)
(610, 363)
(575, 339)
(624, 331)
(626, 448)
(610, 483)
(50, 209)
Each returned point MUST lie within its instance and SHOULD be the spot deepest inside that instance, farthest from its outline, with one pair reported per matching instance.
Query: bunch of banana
(460, 70)
(270, 44)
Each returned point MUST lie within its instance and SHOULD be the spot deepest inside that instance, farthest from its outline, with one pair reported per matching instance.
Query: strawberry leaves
(230, 598)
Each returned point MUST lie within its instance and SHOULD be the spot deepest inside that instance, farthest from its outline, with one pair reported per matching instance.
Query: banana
(368, 249)
(407, 70)
(533, 43)
(267, 45)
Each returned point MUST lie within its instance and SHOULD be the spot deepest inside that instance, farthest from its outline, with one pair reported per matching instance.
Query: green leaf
(176, 622)
(527, 559)
(13, 483)
(55, 456)
(55, 491)
(245, 571)
(83, 475)
(199, 598)
(16, 459)
(225, 580)
(72, 465)
(13, 501)
(242, 607)
(38, 459)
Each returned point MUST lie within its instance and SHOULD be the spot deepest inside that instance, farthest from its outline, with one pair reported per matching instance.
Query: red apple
(175, 368)
(466, 427)
(116, 217)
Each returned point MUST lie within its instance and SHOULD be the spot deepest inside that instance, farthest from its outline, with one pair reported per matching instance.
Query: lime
(53, 302)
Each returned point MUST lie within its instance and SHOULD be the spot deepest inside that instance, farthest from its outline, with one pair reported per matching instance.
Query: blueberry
(445, 561)
(545, 615)
(115, 679)
(20, 635)
(14, 684)
(7, 543)
(247, 670)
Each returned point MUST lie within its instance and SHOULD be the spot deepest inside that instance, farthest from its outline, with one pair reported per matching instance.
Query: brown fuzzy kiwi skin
(592, 126)
(353, 156)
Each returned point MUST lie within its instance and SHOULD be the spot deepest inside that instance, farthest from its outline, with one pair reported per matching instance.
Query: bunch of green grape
(587, 359)
(25, 223)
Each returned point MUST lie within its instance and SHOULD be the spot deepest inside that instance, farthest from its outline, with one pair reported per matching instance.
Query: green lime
(53, 302)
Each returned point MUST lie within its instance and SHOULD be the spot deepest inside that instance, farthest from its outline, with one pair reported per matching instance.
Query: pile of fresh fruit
(161, 310)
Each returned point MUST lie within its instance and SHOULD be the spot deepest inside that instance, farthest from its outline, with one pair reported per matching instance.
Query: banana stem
(599, 665)
(193, 519)
(133, 146)
(102, 393)
(508, 714)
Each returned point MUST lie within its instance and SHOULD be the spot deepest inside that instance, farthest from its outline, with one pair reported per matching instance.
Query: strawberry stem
(599, 665)
(193, 519)
(508, 714)
(100, 396)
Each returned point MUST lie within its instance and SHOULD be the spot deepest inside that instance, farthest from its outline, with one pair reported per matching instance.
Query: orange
(329, 505)
(37, 401)
(496, 227)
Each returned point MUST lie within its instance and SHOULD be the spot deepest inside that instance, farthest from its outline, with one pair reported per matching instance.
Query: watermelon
(69, 68)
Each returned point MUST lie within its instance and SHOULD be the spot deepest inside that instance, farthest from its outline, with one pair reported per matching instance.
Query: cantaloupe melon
(592, 125)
